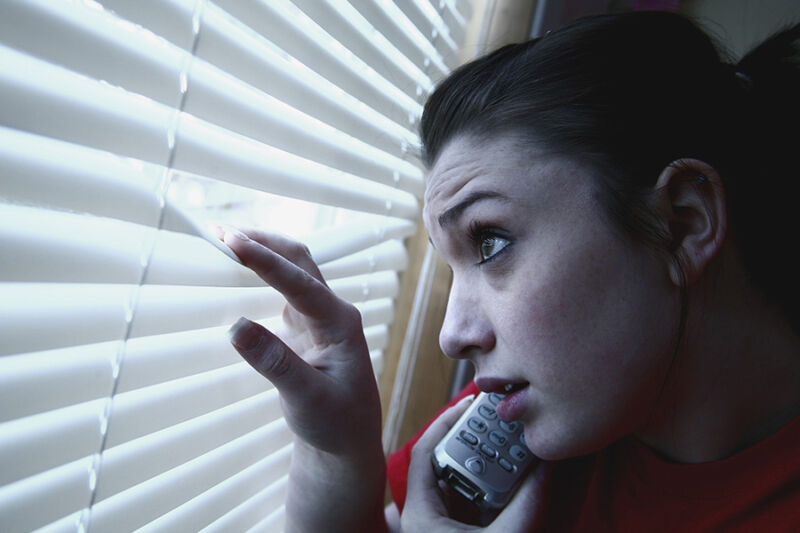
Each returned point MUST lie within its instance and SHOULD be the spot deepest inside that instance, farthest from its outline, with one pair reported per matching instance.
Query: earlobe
(693, 209)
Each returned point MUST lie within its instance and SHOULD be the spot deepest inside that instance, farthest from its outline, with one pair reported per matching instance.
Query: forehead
(466, 163)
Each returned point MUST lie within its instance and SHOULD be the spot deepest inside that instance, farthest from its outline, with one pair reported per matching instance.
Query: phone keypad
(490, 440)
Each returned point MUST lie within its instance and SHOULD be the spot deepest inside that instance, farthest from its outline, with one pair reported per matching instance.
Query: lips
(515, 394)
(500, 385)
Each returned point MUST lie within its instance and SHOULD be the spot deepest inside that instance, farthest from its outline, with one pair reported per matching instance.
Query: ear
(691, 202)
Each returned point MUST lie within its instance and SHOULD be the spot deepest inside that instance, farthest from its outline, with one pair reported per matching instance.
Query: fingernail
(230, 230)
(465, 400)
(244, 334)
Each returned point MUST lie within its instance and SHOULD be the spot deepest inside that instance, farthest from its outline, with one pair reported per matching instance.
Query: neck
(734, 381)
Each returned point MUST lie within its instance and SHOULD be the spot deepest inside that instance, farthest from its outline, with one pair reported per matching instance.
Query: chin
(555, 446)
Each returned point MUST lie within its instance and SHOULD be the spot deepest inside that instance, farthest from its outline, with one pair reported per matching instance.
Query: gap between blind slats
(454, 21)
(51, 246)
(294, 32)
(143, 503)
(222, 509)
(245, 54)
(97, 44)
(138, 460)
(221, 99)
(250, 57)
(431, 25)
(142, 411)
(147, 425)
(160, 358)
(172, 19)
(89, 313)
(392, 23)
(34, 502)
(74, 177)
(350, 28)
(94, 43)
(249, 511)
(33, 444)
(48, 100)
(274, 522)
(32, 383)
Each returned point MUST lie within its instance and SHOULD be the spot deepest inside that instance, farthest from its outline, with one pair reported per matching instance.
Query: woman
(615, 204)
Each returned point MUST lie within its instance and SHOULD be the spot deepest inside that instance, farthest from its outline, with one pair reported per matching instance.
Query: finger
(289, 249)
(302, 290)
(423, 491)
(273, 359)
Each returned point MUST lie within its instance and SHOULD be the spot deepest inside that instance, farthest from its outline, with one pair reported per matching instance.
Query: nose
(466, 331)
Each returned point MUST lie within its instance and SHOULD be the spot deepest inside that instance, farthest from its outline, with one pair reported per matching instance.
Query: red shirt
(628, 487)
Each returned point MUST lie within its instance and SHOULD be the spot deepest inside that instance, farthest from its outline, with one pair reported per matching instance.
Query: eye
(491, 245)
(488, 241)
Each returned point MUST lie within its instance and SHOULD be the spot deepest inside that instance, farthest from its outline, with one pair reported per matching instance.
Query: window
(125, 127)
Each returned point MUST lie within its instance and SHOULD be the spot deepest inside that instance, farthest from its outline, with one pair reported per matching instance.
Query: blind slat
(243, 53)
(160, 358)
(346, 25)
(145, 502)
(216, 502)
(131, 409)
(40, 442)
(274, 522)
(75, 314)
(250, 511)
(48, 100)
(73, 176)
(428, 21)
(36, 501)
(171, 19)
(95, 43)
(90, 313)
(290, 29)
(390, 255)
(138, 460)
(37, 382)
(391, 22)
(142, 411)
(223, 100)
(45, 245)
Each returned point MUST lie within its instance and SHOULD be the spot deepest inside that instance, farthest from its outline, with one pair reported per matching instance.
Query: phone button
(487, 412)
(509, 427)
(477, 425)
(495, 398)
(497, 438)
(476, 465)
(518, 453)
(505, 464)
(469, 437)
(488, 451)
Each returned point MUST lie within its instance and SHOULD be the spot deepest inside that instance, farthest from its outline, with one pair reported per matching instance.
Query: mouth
(500, 385)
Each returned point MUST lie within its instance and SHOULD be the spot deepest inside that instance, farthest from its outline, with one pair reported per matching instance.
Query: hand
(319, 361)
(432, 506)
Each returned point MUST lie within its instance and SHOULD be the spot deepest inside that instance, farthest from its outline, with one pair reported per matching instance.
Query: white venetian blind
(125, 126)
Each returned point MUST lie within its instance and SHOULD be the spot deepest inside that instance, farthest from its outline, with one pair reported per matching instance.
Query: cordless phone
(482, 457)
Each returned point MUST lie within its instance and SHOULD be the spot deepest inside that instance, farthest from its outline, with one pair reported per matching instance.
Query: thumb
(265, 352)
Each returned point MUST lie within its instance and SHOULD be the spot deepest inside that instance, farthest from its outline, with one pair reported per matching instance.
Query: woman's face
(547, 296)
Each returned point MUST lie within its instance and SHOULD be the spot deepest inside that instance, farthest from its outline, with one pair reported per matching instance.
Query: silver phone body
(482, 457)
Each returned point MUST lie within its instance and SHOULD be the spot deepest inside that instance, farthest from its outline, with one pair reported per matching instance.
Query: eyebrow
(454, 213)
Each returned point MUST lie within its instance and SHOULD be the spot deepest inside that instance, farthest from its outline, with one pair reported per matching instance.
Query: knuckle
(298, 252)
(276, 362)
